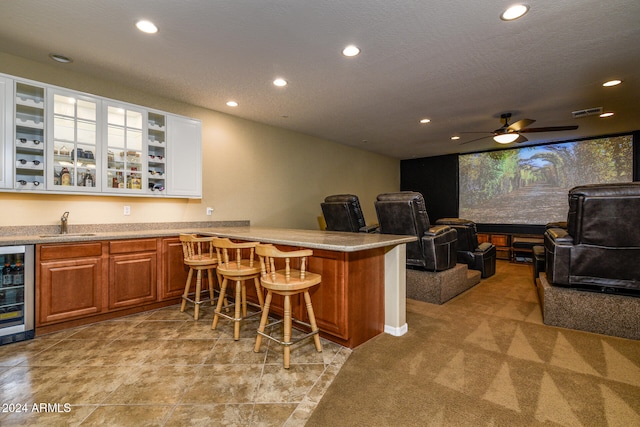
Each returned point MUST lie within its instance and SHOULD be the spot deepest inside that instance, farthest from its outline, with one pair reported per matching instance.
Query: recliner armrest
(436, 230)
(370, 228)
(483, 247)
(560, 236)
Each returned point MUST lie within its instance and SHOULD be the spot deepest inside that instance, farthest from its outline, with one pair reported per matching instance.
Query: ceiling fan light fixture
(506, 138)
(514, 12)
(610, 83)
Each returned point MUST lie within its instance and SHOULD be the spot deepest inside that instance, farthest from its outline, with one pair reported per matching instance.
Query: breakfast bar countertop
(313, 239)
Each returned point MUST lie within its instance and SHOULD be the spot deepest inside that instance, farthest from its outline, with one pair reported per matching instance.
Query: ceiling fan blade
(520, 124)
(477, 139)
(521, 139)
(550, 129)
(476, 132)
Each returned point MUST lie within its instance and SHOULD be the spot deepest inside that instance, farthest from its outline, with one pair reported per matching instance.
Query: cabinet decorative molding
(57, 140)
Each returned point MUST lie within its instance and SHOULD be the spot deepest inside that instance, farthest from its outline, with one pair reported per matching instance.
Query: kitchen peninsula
(362, 294)
(363, 289)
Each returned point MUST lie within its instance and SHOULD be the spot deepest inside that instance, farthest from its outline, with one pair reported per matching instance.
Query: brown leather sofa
(405, 213)
(600, 248)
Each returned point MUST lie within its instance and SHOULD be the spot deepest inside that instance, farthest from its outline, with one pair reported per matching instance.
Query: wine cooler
(17, 307)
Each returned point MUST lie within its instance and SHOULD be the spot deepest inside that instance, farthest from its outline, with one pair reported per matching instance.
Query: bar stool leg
(211, 284)
(263, 321)
(287, 330)
(238, 305)
(259, 291)
(185, 295)
(312, 320)
(216, 317)
(196, 310)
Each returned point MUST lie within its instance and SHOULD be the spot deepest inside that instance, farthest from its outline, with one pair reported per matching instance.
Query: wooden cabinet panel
(330, 299)
(73, 250)
(174, 273)
(132, 279)
(68, 289)
(130, 246)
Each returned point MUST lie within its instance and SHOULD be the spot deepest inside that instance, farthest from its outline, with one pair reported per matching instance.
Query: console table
(363, 289)
(511, 246)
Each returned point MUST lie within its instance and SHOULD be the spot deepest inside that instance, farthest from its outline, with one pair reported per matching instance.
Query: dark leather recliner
(480, 257)
(404, 213)
(342, 212)
(600, 248)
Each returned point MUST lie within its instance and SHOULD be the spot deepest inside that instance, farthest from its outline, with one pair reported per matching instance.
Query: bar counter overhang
(363, 291)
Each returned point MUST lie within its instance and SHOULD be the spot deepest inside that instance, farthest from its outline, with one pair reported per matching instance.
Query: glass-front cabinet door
(75, 142)
(126, 162)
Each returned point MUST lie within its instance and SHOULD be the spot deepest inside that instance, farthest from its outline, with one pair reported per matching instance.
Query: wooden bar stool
(198, 255)
(232, 267)
(286, 282)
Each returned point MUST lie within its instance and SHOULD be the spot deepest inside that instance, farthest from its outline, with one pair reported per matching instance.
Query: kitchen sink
(69, 235)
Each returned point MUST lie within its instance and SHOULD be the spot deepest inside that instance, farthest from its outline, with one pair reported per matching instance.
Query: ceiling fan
(509, 133)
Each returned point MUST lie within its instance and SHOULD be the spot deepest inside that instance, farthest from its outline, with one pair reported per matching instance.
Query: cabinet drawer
(73, 250)
(129, 246)
(500, 240)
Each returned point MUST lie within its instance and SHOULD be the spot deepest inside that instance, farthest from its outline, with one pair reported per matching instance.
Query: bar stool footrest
(192, 295)
(293, 341)
(228, 306)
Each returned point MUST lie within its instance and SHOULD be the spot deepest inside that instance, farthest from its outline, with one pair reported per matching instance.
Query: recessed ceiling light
(147, 27)
(425, 120)
(350, 50)
(607, 114)
(232, 103)
(455, 137)
(611, 83)
(60, 58)
(514, 12)
(280, 82)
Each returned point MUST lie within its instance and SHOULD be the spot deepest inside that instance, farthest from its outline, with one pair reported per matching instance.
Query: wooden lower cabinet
(69, 281)
(79, 283)
(133, 272)
(349, 302)
(174, 274)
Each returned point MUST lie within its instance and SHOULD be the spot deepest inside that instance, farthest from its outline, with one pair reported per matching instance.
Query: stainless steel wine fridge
(17, 294)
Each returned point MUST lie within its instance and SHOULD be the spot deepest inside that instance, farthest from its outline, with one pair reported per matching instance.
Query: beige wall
(267, 175)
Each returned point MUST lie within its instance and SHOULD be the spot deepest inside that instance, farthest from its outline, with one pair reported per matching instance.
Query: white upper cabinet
(62, 141)
(184, 157)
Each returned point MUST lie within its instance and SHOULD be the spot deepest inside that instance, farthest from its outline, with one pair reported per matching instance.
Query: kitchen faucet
(63, 223)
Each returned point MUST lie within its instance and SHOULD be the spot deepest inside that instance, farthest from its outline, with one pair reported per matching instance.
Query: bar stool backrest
(230, 253)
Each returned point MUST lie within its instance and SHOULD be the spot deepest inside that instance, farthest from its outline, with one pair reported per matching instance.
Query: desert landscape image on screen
(529, 185)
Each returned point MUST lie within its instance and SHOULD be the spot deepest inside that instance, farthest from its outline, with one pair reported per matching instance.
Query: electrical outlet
(209, 211)
(127, 210)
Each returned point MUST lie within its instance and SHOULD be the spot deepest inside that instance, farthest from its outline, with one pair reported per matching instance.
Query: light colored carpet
(486, 359)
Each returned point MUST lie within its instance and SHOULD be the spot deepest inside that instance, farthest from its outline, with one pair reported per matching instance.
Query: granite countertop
(313, 239)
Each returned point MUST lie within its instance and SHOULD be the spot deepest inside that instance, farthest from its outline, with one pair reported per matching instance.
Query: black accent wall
(437, 179)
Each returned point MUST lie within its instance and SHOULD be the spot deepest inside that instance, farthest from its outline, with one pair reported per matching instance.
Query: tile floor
(161, 368)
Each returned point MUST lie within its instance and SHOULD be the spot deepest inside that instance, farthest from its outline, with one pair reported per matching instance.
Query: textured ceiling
(453, 61)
